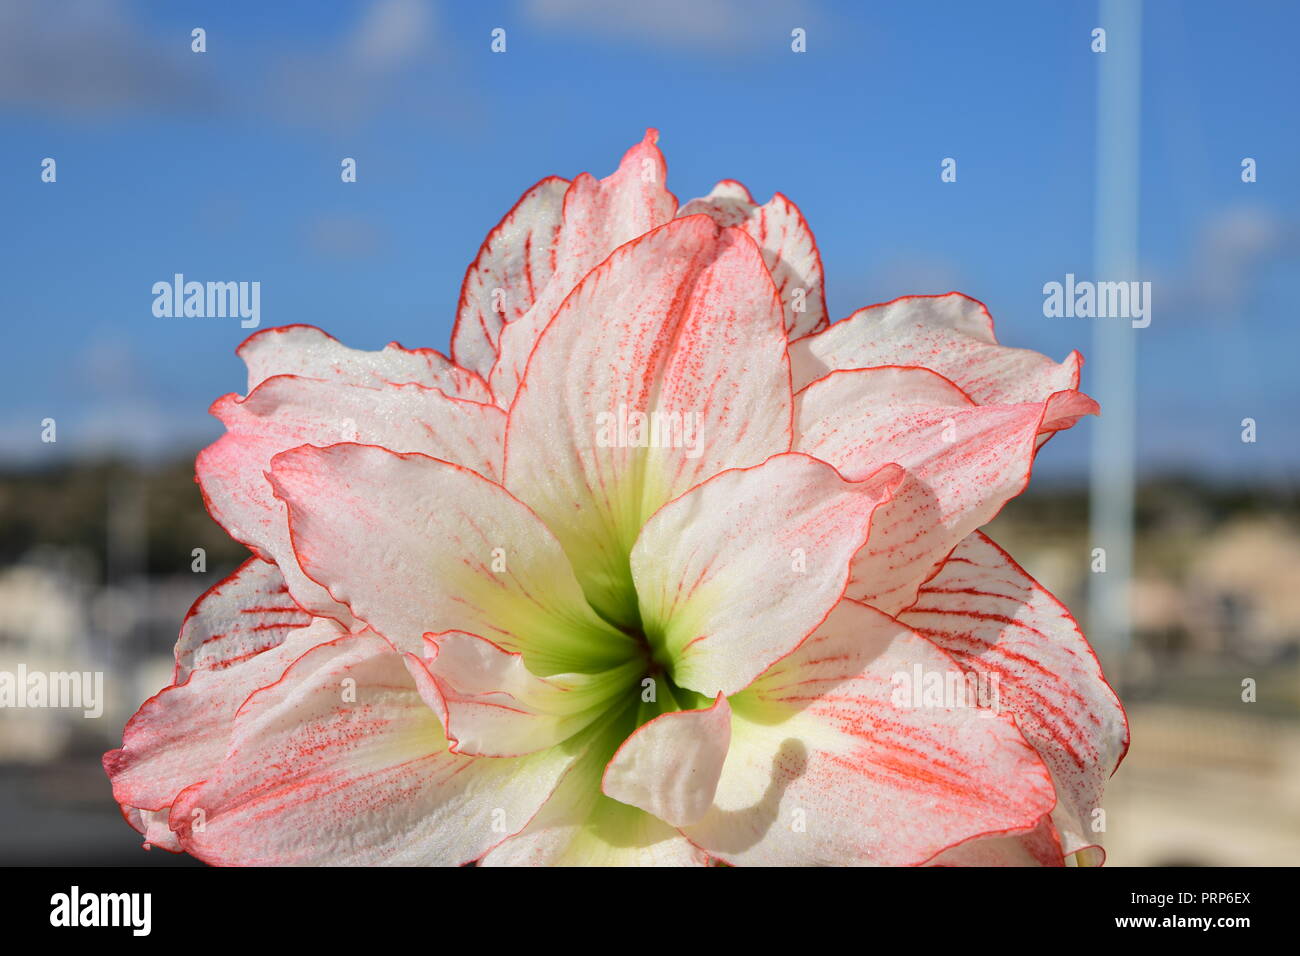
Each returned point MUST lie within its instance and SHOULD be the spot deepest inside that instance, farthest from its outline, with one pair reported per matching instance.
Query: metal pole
(1114, 347)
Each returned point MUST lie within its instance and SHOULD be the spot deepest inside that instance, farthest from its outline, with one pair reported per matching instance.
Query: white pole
(1114, 347)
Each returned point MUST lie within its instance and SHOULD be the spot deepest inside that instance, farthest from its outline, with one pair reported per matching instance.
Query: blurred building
(43, 627)
(1206, 788)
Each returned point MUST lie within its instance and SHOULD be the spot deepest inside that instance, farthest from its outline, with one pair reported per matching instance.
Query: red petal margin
(1001, 624)
(239, 636)
(307, 351)
(789, 249)
(515, 262)
(237, 618)
(951, 334)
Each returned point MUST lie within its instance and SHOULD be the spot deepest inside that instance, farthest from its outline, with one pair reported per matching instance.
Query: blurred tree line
(70, 506)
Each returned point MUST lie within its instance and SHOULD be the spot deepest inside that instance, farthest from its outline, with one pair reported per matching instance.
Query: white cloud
(1229, 253)
(690, 24)
(344, 82)
(390, 33)
(344, 237)
(90, 57)
(96, 58)
(1233, 246)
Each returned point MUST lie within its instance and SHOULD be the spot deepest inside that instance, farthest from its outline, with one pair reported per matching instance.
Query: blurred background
(224, 165)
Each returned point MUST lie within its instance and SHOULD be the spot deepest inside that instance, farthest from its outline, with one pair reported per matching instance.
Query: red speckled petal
(789, 249)
(951, 334)
(599, 216)
(828, 765)
(413, 545)
(239, 636)
(964, 462)
(307, 351)
(736, 573)
(999, 622)
(342, 762)
(513, 266)
(181, 733)
(681, 328)
(236, 619)
(286, 411)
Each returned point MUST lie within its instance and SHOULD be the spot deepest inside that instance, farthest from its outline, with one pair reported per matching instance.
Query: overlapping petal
(285, 411)
(963, 461)
(307, 351)
(414, 545)
(181, 733)
(789, 249)
(490, 704)
(951, 334)
(580, 826)
(664, 367)
(1041, 846)
(828, 767)
(239, 636)
(513, 266)
(734, 574)
(598, 217)
(1000, 623)
(670, 766)
(236, 619)
(342, 762)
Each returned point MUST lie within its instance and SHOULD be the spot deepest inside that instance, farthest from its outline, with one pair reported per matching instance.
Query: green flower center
(656, 691)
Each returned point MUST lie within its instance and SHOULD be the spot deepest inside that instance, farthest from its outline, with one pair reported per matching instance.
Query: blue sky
(225, 166)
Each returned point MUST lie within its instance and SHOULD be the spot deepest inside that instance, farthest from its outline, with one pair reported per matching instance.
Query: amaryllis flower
(660, 568)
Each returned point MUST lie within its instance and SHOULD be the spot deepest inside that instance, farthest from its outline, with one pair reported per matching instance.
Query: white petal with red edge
(827, 766)
(599, 216)
(492, 705)
(729, 189)
(737, 572)
(963, 462)
(179, 735)
(307, 351)
(670, 766)
(239, 636)
(342, 762)
(999, 622)
(681, 327)
(513, 266)
(286, 411)
(236, 619)
(789, 250)
(951, 334)
(414, 545)
(290, 410)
